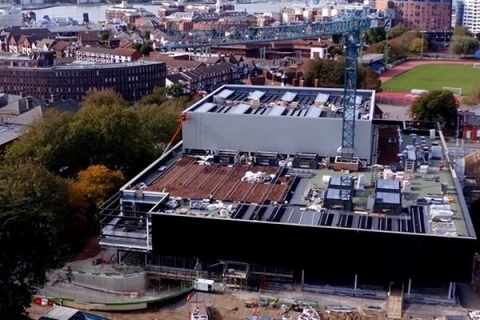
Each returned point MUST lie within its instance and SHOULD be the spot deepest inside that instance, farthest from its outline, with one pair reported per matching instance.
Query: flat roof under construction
(296, 196)
(280, 102)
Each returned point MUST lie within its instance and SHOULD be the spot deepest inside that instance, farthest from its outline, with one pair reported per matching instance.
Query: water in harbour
(97, 13)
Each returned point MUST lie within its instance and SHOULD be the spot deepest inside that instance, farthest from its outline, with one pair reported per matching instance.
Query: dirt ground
(223, 307)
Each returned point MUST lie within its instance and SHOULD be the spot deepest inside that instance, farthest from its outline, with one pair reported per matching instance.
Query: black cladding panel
(377, 257)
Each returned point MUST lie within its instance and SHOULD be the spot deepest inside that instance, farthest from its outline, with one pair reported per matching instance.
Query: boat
(309, 313)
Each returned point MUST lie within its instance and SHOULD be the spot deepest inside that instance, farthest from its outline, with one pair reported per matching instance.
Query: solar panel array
(413, 221)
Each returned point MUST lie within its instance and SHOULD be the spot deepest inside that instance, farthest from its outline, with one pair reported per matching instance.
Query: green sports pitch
(436, 77)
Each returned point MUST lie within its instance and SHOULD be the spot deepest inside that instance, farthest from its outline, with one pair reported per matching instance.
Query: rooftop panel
(256, 95)
(388, 197)
(305, 99)
(313, 113)
(388, 184)
(206, 107)
(225, 94)
(240, 109)
(277, 111)
(322, 98)
(288, 96)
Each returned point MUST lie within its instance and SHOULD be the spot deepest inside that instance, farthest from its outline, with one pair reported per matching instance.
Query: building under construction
(257, 180)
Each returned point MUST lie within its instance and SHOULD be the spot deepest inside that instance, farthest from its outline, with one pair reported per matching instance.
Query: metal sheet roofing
(225, 94)
(206, 107)
(288, 96)
(256, 95)
(240, 109)
(60, 313)
(313, 113)
(322, 98)
(277, 111)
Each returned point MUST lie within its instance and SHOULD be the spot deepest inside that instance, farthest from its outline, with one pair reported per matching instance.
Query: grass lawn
(435, 77)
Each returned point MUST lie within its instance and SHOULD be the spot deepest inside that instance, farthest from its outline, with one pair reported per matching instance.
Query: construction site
(259, 197)
(190, 180)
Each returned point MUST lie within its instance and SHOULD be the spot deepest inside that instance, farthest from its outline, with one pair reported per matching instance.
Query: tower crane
(350, 25)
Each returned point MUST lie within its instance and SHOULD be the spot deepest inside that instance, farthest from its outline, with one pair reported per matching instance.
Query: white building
(471, 18)
(10, 16)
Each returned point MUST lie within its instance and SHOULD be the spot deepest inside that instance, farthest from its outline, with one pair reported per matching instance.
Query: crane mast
(352, 47)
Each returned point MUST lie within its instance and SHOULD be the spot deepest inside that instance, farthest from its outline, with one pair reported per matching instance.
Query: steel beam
(176, 39)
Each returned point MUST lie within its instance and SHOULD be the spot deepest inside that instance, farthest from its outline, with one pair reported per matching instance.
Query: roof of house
(198, 72)
(177, 78)
(60, 46)
(118, 51)
(88, 36)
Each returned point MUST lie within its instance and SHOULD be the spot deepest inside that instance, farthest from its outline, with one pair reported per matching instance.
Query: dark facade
(132, 80)
(331, 254)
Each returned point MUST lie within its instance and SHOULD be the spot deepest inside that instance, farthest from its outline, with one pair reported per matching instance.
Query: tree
(461, 31)
(107, 131)
(159, 121)
(397, 31)
(330, 73)
(418, 45)
(374, 35)
(29, 250)
(104, 35)
(98, 183)
(45, 142)
(438, 105)
(28, 180)
(464, 45)
(104, 98)
(145, 49)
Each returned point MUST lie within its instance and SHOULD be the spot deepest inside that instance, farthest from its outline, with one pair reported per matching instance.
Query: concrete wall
(286, 135)
(115, 283)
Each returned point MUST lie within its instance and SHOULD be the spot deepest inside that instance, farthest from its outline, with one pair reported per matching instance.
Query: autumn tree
(97, 183)
(418, 45)
(438, 105)
(29, 249)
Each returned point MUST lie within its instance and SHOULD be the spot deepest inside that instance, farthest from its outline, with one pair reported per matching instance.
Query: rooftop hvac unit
(255, 102)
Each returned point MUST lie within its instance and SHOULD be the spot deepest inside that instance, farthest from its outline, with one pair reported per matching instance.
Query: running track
(404, 67)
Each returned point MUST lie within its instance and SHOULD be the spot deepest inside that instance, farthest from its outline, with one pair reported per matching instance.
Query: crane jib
(176, 39)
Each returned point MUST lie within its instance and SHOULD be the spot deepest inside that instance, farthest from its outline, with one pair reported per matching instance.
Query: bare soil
(90, 250)
(223, 307)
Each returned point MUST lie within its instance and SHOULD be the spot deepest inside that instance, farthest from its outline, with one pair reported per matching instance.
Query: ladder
(410, 166)
(395, 303)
